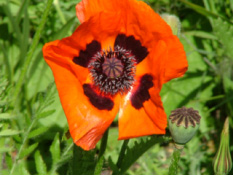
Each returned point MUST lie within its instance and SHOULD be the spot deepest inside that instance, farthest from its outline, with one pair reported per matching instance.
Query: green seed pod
(174, 22)
(183, 124)
(222, 162)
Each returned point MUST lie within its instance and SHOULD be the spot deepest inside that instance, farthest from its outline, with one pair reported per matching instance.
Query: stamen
(113, 70)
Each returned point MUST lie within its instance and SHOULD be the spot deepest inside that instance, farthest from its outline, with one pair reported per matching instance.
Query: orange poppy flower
(116, 61)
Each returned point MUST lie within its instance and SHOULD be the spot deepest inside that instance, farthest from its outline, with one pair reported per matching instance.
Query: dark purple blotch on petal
(133, 45)
(86, 55)
(142, 94)
(99, 101)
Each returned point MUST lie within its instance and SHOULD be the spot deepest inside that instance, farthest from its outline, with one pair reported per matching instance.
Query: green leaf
(37, 132)
(228, 88)
(9, 132)
(40, 164)
(25, 35)
(22, 169)
(202, 10)
(64, 30)
(46, 113)
(12, 22)
(23, 7)
(64, 158)
(55, 149)
(83, 161)
(6, 116)
(28, 150)
(113, 166)
(6, 149)
(201, 34)
(224, 33)
(139, 148)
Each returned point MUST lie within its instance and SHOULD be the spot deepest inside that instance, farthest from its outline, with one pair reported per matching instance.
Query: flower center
(112, 67)
(113, 71)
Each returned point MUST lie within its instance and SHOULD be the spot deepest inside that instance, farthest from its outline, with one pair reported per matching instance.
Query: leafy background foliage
(33, 128)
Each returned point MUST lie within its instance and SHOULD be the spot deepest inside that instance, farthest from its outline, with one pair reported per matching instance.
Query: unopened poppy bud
(183, 124)
(222, 162)
(174, 22)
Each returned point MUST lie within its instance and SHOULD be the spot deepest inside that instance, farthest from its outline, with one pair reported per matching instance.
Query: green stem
(59, 11)
(25, 139)
(31, 51)
(100, 161)
(122, 153)
(121, 157)
(173, 169)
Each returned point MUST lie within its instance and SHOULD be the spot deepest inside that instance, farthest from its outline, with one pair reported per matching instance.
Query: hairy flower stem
(173, 169)
(122, 153)
(31, 51)
(100, 160)
(121, 157)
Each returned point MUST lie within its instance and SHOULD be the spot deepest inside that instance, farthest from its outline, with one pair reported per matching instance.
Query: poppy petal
(86, 8)
(85, 56)
(142, 91)
(141, 111)
(86, 122)
(139, 16)
(130, 43)
(154, 109)
(140, 122)
(175, 62)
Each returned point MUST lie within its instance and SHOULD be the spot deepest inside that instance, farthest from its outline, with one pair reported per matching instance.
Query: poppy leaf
(28, 151)
(83, 161)
(55, 149)
(46, 113)
(224, 32)
(138, 149)
(37, 132)
(23, 169)
(40, 164)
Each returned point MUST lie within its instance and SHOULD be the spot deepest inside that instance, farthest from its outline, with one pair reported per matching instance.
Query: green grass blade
(21, 11)
(25, 36)
(31, 51)
(9, 132)
(13, 22)
(6, 116)
(203, 11)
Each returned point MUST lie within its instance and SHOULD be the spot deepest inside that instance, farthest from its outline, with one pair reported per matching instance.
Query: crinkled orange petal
(86, 8)
(167, 60)
(154, 108)
(86, 123)
(139, 19)
(147, 120)
(175, 62)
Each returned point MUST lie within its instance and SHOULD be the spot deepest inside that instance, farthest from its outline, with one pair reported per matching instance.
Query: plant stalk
(100, 161)
(173, 169)
(31, 51)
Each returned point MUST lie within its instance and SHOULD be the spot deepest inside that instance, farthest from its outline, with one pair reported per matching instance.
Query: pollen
(113, 70)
